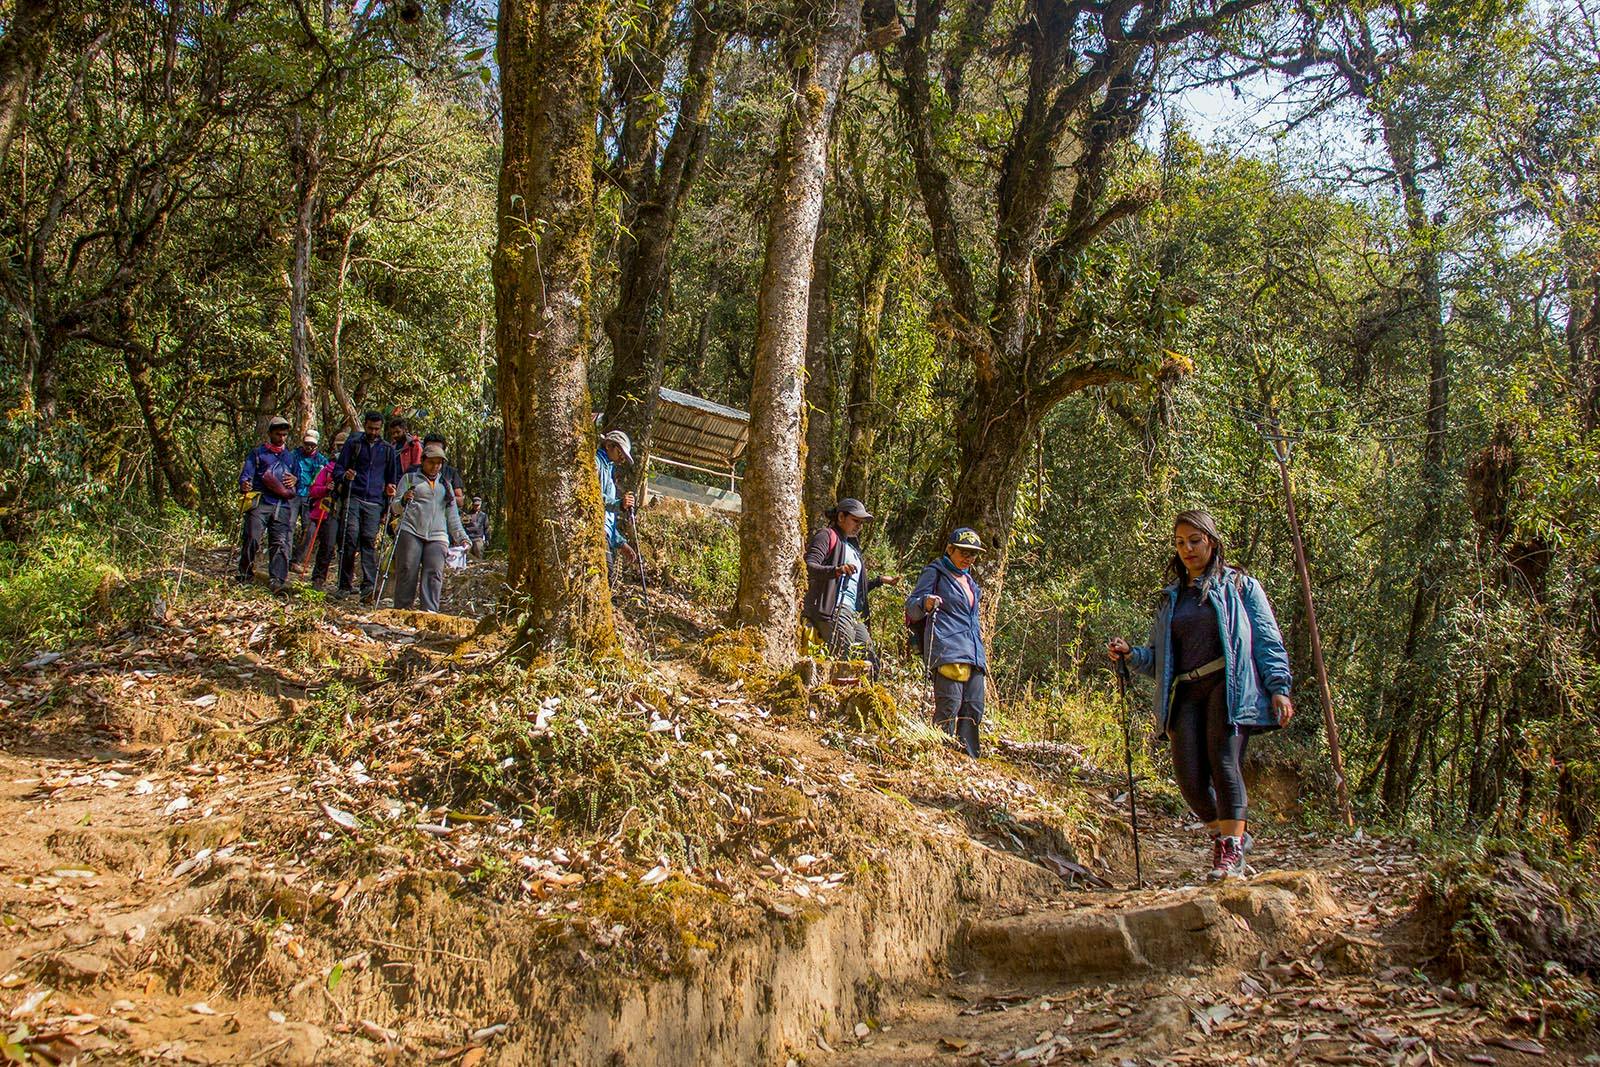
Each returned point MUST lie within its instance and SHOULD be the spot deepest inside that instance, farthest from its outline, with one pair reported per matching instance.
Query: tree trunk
(769, 529)
(169, 455)
(550, 81)
(821, 383)
(1401, 142)
(993, 450)
(333, 371)
(23, 52)
(650, 213)
(305, 161)
(861, 415)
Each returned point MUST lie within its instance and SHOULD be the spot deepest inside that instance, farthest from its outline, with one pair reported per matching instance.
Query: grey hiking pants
(418, 571)
(274, 520)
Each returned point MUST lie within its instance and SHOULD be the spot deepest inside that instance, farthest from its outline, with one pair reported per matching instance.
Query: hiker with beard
(944, 605)
(267, 488)
(837, 584)
(367, 468)
(1221, 674)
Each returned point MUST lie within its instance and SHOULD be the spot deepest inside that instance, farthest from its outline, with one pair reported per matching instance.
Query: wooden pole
(1280, 452)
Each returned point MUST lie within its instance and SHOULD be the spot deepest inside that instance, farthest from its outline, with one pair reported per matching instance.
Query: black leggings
(1207, 750)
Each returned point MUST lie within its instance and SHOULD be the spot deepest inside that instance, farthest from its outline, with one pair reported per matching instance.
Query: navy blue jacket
(957, 636)
(376, 464)
(258, 463)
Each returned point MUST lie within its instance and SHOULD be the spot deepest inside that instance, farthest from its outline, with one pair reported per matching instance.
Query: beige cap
(433, 452)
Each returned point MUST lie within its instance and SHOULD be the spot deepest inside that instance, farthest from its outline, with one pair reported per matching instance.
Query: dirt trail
(168, 893)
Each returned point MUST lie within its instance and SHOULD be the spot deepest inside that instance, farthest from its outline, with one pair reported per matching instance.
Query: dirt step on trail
(1314, 962)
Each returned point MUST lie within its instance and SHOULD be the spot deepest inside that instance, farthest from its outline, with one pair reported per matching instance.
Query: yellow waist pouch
(248, 500)
(956, 672)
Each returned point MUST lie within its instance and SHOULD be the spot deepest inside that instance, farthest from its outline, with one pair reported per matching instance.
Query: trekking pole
(638, 554)
(388, 563)
(1127, 750)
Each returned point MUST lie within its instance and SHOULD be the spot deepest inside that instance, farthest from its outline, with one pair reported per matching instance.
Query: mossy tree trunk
(821, 383)
(656, 184)
(23, 52)
(770, 527)
(550, 54)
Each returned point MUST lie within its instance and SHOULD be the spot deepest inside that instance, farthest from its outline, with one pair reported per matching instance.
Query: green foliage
(693, 551)
(74, 579)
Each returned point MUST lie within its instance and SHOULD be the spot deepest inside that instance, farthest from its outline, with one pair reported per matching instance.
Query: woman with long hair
(1221, 675)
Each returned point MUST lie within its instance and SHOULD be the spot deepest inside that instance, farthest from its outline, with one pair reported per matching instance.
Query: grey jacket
(431, 515)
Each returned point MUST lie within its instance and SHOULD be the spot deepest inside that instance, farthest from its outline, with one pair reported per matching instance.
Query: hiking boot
(276, 587)
(243, 579)
(1216, 851)
(1229, 862)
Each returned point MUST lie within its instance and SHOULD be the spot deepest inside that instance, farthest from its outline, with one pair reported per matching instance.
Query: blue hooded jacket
(306, 469)
(957, 634)
(1257, 667)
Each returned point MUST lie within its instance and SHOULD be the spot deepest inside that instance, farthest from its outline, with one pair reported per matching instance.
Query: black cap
(851, 506)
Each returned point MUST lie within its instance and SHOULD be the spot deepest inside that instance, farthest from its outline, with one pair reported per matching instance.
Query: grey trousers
(274, 521)
(418, 571)
(847, 637)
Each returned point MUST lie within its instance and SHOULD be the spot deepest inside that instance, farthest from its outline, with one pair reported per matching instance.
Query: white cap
(312, 436)
(620, 439)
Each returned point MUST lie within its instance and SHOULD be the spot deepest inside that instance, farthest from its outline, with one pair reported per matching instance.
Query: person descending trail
(325, 498)
(614, 448)
(945, 601)
(268, 499)
(368, 468)
(308, 463)
(429, 520)
(476, 520)
(1222, 674)
(407, 445)
(837, 584)
(451, 476)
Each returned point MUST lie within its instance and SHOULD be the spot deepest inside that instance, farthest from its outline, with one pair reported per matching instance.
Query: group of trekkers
(313, 507)
(1214, 651)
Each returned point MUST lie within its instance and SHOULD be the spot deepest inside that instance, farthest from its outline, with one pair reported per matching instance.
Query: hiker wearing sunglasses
(1222, 674)
(837, 584)
(945, 602)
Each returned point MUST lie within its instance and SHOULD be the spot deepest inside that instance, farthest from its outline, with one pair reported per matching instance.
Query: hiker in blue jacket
(614, 448)
(946, 600)
(267, 486)
(308, 463)
(368, 469)
(1221, 674)
(837, 584)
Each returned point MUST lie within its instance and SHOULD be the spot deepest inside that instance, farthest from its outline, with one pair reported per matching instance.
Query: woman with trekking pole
(1222, 674)
(945, 606)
